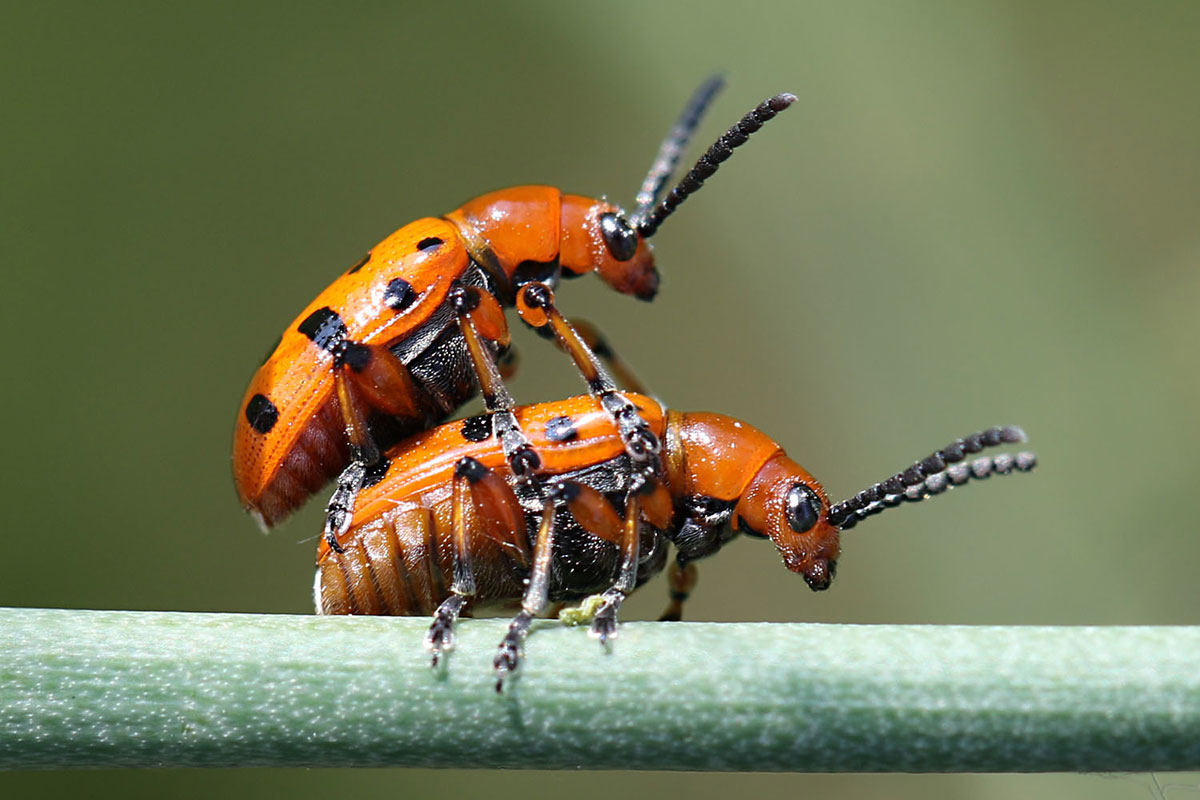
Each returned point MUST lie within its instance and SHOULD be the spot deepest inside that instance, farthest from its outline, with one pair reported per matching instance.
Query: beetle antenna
(733, 138)
(676, 142)
(944, 469)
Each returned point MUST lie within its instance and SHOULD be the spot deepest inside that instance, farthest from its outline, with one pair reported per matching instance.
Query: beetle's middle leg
(534, 602)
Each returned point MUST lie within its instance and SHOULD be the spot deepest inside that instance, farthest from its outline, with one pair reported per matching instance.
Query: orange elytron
(450, 525)
(383, 351)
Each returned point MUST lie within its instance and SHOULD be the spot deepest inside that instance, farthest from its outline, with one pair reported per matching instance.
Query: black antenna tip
(647, 220)
(933, 475)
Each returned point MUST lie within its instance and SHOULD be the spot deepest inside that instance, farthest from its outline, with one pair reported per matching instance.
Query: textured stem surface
(96, 688)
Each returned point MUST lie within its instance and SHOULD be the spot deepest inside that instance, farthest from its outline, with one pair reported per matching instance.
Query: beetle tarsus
(604, 624)
(508, 655)
(440, 638)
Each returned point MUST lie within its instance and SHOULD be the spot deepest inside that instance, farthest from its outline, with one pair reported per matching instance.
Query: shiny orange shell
(296, 382)
(567, 434)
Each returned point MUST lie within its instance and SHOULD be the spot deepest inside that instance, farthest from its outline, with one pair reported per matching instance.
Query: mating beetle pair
(547, 503)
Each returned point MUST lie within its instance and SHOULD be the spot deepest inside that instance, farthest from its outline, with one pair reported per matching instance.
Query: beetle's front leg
(535, 304)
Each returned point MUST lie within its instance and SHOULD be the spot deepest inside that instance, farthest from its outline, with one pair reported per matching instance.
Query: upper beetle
(383, 351)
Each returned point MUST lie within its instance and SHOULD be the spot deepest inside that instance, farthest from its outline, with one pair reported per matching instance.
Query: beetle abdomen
(390, 567)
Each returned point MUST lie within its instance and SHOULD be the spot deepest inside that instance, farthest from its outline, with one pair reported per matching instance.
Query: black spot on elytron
(477, 429)
(429, 243)
(561, 429)
(375, 472)
(399, 294)
(359, 265)
(274, 347)
(324, 327)
(261, 413)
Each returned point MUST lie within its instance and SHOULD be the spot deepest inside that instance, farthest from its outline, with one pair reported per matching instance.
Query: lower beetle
(450, 525)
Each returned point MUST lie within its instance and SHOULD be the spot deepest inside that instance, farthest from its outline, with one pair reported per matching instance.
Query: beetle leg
(598, 344)
(441, 632)
(365, 377)
(363, 451)
(595, 514)
(604, 624)
(498, 513)
(508, 363)
(535, 304)
(508, 657)
(479, 316)
(681, 580)
(381, 378)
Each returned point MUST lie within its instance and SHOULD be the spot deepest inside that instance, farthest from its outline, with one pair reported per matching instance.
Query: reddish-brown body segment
(289, 439)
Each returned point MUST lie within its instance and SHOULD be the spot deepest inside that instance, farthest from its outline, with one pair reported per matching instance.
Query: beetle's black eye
(803, 508)
(622, 240)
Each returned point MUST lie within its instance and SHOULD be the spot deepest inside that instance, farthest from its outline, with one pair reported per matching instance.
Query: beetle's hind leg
(441, 633)
(366, 378)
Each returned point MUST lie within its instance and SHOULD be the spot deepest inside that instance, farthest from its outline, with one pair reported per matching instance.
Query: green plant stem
(109, 689)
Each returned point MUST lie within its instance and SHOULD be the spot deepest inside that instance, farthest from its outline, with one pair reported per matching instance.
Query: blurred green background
(977, 213)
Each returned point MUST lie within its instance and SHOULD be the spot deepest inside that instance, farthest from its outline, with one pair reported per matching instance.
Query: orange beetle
(449, 525)
(381, 353)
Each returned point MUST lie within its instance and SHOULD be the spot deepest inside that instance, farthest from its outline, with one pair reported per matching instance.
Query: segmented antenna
(723, 148)
(673, 146)
(943, 470)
